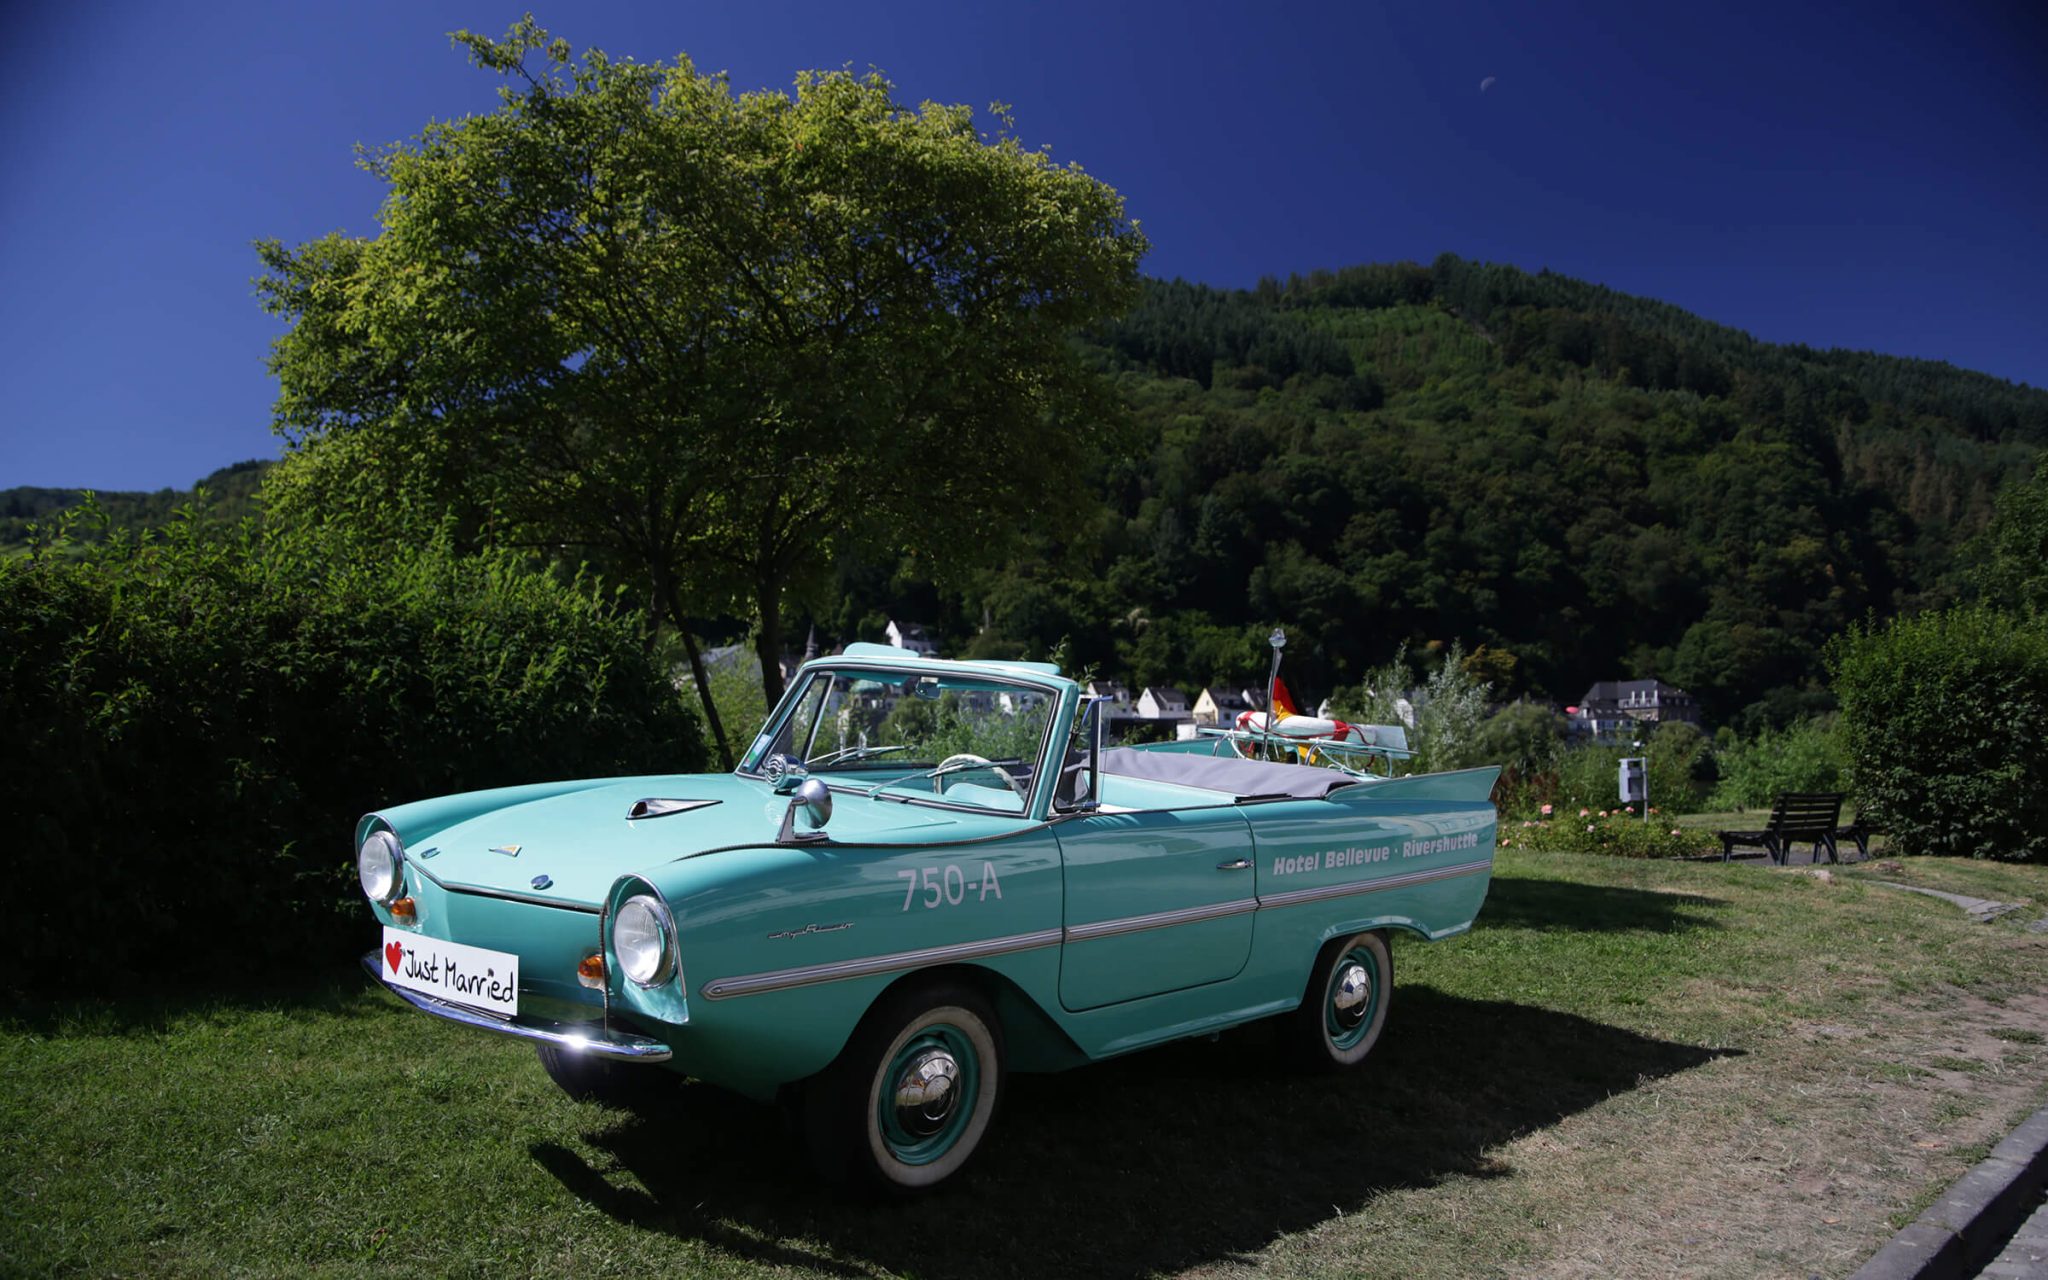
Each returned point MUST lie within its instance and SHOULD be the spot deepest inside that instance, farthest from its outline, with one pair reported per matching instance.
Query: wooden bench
(1811, 816)
(1860, 831)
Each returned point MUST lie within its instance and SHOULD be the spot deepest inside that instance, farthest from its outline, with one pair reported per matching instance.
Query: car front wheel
(1345, 1006)
(908, 1102)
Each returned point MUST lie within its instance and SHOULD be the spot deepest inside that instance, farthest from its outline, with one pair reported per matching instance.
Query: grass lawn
(1628, 1068)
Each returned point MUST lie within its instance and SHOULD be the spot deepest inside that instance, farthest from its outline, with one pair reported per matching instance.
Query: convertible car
(923, 875)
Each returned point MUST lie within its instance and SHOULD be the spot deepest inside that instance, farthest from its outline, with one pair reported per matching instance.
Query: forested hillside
(230, 493)
(1587, 484)
(1577, 483)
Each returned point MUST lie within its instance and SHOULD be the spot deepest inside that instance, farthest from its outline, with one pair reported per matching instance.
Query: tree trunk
(665, 592)
(768, 640)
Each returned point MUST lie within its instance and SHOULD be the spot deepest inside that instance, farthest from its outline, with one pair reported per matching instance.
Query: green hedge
(195, 722)
(1945, 717)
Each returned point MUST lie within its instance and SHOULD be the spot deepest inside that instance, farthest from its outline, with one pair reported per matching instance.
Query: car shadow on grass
(1198, 1152)
(1513, 902)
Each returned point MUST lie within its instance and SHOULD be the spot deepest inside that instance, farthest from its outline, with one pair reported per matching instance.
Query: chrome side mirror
(814, 800)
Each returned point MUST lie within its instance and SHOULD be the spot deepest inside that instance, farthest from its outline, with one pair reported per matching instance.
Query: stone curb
(1963, 1230)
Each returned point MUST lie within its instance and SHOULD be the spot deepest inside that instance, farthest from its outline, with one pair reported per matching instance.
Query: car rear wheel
(1345, 1006)
(592, 1079)
(909, 1100)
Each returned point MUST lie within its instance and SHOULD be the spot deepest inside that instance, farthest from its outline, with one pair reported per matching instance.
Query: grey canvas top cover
(1231, 775)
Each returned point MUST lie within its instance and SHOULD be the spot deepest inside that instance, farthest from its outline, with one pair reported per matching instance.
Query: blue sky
(1843, 175)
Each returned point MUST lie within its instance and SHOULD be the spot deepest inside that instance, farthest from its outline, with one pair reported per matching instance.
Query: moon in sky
(1486, 84)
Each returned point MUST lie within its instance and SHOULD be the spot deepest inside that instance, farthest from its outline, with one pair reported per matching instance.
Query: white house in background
(1119, 696)
(1163, 702)
(911, 636)
(1220, 707)
(1616, 710)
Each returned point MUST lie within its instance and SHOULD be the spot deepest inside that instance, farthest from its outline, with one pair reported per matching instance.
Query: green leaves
(197, 719)
(720, 338)
(1807, 755)
(1946, 721)
(2013, 569)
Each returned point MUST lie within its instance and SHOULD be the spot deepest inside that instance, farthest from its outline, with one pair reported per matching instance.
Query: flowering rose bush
(1618, 834)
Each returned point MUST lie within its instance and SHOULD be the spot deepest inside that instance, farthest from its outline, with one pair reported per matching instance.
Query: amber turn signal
(404, 909)
(590, 971)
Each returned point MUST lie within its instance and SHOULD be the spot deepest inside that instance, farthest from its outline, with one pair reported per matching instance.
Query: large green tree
(718, 339)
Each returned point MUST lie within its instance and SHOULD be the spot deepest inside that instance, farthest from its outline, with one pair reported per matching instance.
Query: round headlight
(377, 864)
(644, 939)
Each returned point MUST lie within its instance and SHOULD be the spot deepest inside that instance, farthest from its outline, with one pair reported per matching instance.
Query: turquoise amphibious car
(923, 875)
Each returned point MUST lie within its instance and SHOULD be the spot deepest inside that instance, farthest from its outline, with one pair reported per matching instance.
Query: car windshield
(915, 736)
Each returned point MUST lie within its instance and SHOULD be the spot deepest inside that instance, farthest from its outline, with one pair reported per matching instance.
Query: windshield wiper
(945, 769)
(849, 753)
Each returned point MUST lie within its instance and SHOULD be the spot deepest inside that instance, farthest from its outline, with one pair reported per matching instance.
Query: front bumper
(597, 1041)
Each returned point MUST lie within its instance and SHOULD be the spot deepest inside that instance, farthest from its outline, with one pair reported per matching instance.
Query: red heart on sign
(393, 953)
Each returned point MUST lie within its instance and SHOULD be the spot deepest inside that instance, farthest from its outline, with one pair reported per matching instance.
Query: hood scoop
(659, 808)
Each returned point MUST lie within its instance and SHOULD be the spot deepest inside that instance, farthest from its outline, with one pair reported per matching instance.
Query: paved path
(2026, 1254)
(1980, 909)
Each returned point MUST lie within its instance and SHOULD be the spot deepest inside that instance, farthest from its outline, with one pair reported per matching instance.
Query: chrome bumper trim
(597, 1042)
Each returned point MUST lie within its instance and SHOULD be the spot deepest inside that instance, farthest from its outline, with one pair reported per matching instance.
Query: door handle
(1241, 864)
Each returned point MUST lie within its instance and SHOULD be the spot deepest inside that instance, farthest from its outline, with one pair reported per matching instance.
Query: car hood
(578, 839)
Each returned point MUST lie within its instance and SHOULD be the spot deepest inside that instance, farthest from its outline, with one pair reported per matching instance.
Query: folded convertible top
(1244, 779)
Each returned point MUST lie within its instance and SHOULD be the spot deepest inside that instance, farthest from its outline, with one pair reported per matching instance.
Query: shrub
(1617, 833)
(1588, 777)
(1443, 728)
(1526, 740)
(1806, 755)
(1447, 723)
(1524, 736)
(196, 721)
(735, 680)
(1945, 718)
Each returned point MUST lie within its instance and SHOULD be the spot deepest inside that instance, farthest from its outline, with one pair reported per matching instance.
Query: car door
(1156, 901)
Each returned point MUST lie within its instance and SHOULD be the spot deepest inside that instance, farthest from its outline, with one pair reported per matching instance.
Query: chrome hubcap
(925, 1093)
(1352, 995)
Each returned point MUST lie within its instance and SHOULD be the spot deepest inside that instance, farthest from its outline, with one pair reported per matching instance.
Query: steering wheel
(968, 757)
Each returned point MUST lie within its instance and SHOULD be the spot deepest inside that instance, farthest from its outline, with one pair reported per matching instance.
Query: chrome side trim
(810, 974)
(598, 1042)
(477, 890)
(1160, 920)
(1294, 897)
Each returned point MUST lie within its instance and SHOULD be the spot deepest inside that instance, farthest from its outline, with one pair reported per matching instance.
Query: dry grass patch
(1871, 1046)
